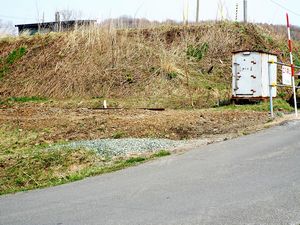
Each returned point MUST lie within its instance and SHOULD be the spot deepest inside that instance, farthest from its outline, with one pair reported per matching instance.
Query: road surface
(254, 179)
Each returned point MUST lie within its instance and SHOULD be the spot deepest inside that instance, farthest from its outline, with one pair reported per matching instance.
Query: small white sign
(286, 75)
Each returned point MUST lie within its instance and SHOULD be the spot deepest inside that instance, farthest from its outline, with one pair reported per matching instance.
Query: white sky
(29, 11)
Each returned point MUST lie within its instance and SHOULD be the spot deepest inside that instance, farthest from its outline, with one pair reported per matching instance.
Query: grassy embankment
(167, 66)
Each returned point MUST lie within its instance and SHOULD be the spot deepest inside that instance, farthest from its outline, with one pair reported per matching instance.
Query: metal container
(250, 78)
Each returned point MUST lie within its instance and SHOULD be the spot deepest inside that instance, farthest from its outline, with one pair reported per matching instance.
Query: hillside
(165, 66)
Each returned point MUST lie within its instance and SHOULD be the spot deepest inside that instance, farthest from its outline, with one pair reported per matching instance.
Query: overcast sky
(29, 11)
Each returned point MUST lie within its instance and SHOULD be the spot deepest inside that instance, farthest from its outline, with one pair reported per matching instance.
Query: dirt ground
(53, 124)
(27, 130)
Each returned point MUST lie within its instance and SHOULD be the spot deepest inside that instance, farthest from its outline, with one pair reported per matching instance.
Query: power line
(285, 8)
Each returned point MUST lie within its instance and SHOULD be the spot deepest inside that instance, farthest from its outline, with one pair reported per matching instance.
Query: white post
(271, 90)
(105, 104)
(197, 11)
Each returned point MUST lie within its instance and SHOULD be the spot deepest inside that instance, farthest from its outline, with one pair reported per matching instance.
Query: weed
(27, 99)
(129, 78)
(118, 135)
(10, 101)
(282, 95)
(135, 160)
(3, 70)
(197, 52)
(171, 75)
(162, 153)
(279, 114)
(19, 181)
(153, 69)
(10, 60)
(245, 133)
(296, 59)
(15, 55)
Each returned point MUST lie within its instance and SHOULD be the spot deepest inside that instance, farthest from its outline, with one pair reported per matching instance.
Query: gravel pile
(117, 147)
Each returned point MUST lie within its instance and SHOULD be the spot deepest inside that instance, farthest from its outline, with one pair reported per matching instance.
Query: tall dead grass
(148, 65)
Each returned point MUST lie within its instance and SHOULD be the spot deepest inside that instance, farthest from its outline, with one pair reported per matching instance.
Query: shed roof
(259, 51)
(49, 24)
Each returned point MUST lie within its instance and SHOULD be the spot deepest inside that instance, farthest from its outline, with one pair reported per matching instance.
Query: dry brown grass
(149, 66)
(51, 124)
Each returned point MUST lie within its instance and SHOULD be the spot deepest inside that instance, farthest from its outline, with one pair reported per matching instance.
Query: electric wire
(285, 8)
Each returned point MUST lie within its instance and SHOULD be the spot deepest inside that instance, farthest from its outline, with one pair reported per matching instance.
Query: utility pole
(245, 11)
(197, 11)
(236, 12)
(57, 22)
(185, 12)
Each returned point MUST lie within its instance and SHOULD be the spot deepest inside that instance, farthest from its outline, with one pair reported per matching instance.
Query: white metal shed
(250, 71)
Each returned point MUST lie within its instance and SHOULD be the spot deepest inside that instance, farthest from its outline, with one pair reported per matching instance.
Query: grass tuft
(27, 99)
(162, 153)
(12, 100)
(135, 160)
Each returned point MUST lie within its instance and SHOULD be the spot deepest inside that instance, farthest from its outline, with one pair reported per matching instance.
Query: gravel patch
(117, 147)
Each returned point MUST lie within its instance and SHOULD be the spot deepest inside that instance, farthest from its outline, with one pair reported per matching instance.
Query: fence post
(271, 90)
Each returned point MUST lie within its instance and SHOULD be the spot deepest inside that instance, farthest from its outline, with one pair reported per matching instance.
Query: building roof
(50, 24)
(258, 51)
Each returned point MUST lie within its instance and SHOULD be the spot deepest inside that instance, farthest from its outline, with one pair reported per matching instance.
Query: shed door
(246, 76)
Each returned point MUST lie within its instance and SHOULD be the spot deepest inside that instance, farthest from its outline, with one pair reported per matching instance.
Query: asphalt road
(250, 180)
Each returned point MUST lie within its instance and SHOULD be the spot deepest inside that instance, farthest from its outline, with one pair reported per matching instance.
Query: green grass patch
(27, 99)
(15, 55)
(118, 134)
(171, 75)
(38, 168)
(10, 59)
(26, 165)
(162, 153)
(135, 160)
(197, 52)
(279, 105)
(44, 168)
(34, 99)
(3, 70)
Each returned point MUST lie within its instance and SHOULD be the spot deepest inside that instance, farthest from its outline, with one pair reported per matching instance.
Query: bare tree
(67, 14)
